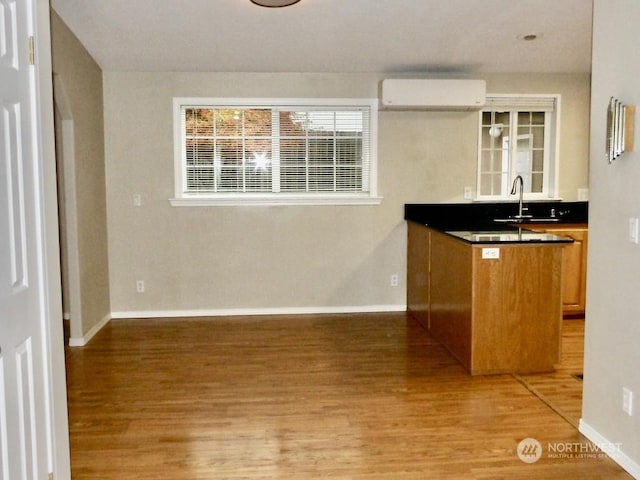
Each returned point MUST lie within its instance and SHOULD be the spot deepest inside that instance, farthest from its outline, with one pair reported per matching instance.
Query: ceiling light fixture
(274, 3)
(495, 130)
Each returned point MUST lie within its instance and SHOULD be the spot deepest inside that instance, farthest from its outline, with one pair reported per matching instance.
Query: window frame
(184, 198)
(515, 104)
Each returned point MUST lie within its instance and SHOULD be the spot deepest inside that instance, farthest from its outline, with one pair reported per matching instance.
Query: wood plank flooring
(560, 389)
(342, 397)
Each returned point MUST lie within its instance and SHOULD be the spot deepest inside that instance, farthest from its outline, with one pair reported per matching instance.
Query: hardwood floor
(561, 390)
(342, 396)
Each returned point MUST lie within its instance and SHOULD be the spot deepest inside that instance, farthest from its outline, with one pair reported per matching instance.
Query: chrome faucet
(519, 180)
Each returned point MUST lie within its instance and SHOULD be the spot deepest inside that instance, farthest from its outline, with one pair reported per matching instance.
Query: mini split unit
(433, 94)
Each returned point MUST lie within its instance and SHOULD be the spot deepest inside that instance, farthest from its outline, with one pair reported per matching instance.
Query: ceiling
(337, 36)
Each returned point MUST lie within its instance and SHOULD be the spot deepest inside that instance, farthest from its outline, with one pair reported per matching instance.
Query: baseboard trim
(82, 341)
(617, 456)
(233, 312)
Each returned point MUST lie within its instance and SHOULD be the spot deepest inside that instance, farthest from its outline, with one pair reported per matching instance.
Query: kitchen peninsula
(487, 288)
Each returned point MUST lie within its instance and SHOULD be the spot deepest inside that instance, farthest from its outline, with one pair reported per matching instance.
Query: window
(518, 136)
(274, 151)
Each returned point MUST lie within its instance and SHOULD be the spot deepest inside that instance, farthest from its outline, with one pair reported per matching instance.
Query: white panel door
(24, 427)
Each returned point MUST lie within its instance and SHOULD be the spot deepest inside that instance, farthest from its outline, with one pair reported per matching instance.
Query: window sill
(249, 201)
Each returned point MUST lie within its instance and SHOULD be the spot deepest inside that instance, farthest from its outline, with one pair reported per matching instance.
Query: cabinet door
(574, 264)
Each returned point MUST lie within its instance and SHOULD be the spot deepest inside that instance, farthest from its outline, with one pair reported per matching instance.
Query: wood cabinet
(418, 259)
(495, 315)
(574, 265)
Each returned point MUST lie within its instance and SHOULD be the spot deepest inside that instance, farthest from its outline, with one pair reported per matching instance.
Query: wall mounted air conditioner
(433, 94)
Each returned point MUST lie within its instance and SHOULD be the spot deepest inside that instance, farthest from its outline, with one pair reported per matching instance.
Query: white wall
(255, 258)
(79, 98)
(612, 343)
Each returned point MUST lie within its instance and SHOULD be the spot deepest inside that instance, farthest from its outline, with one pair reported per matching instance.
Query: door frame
(68, 219)
(58, 422)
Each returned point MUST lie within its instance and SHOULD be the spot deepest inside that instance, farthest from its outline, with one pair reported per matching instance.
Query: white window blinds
(276, 150)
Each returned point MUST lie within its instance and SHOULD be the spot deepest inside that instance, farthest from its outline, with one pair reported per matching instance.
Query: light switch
(583, 194)
(137, 200)
(633, 230)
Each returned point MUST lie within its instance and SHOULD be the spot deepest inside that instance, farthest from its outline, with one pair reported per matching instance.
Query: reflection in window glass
(276, 149)
(516, 139)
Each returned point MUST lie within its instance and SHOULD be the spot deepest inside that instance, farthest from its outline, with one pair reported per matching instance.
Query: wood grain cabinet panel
(451, 285)
(574, 266)
(495, 315)
(418, 253)
(517, 309)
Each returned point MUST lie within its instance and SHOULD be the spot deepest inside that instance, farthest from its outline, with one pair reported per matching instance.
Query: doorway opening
(68, 223)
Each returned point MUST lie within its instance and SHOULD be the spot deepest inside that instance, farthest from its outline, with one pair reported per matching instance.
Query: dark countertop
(476, 222)
(513, 235)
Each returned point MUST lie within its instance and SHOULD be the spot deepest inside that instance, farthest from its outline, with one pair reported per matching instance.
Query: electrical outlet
(137, 200)
(468, 193)
(394, 280)
(140, 286)
(627, 401)
(491, 253)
